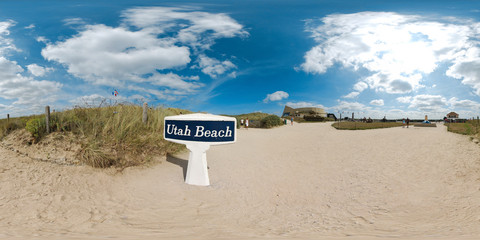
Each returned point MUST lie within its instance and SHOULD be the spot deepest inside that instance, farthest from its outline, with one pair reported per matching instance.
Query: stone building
(452, 116)
(302, 112)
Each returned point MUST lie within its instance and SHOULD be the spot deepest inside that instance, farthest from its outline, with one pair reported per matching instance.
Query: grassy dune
(115, 135)
(364, 126)
(259, 120)
(471, 127)
(110, 136)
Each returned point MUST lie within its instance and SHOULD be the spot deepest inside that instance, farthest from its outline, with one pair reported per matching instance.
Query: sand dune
(300, 181)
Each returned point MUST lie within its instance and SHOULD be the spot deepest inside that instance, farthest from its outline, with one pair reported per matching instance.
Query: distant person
(284, 121)
(246, 123)
(408, 122)
(403, 123)
(291, 120)
(241, 122)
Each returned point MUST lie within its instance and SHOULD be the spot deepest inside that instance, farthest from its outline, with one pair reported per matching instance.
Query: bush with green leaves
(271, 121)
(36, 127)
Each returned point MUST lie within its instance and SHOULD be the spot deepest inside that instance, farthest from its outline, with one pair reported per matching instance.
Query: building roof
(306, 110)
(452, 115)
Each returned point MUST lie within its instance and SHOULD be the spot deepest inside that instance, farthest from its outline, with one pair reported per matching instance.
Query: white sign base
(199, 131)
(197, 170)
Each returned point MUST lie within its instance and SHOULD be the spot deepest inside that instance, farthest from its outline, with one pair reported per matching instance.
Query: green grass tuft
(364, 126)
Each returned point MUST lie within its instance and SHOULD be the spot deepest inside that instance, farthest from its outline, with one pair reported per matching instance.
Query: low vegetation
(364, 126)
(115, 135)
(260, 120)
(470, 127)
(7, 126)
(317, 119)
(110, 136)
(271, 121)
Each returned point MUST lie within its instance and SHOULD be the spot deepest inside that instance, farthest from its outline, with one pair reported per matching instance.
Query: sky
(395, 59)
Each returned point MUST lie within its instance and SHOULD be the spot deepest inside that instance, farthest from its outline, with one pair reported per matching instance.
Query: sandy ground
(302, 181)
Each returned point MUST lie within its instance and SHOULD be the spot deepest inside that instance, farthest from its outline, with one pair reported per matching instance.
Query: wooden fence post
(145, 109)
(8, 118)
(47, 118)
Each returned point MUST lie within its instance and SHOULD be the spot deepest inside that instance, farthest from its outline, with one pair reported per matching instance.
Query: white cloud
(2, 106)
(74, 21)
(406, 99)
(175, 81)
(429, 103)
(214, 67)
(147, 41)
(276, 96)
(6, 44)
(38, 71)
(397, 49)
(200, 30)
(24, 90)
(31, 26)
(42, 40)
(467, 67)
(27, 95)
(343, 106)
(377, 102)
(110, 56)
(399, 114)
(464, 104)
(304, 104)
(360, 86)
(351, 95)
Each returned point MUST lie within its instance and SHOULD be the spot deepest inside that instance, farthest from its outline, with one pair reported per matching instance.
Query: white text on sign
(200, 131)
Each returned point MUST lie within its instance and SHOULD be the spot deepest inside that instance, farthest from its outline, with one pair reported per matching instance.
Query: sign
(198, 132)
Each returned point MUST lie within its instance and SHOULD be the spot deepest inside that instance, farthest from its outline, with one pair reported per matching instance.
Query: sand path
(303, 181)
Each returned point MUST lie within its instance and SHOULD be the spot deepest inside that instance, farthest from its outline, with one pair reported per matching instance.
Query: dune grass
(257, 116)
(110, 136)
(471, 127)
(364, 126)
(259, 120)
(7, 126)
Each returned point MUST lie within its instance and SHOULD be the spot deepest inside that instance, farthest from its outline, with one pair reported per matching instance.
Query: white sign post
(199, 131)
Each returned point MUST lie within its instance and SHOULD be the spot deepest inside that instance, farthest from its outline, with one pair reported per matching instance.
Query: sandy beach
(301, 181)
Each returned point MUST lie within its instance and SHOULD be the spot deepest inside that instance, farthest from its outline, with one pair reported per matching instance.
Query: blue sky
(375, 58)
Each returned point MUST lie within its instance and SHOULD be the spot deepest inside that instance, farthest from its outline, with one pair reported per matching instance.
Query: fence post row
(145, 108)
(47, 118)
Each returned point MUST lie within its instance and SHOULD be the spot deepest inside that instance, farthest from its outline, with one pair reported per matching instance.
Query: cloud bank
(148, 41)
(22, 91)
(397, 50)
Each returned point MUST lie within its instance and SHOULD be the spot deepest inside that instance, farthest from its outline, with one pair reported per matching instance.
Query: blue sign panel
(200, 131)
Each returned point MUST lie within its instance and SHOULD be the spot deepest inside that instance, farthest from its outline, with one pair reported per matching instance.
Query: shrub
(271, 121)
(8, 127)
(91, 155)
(314, 118)
(36, 127)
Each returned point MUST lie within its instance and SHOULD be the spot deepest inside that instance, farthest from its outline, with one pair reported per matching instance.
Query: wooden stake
(145, 109)
(47, 118)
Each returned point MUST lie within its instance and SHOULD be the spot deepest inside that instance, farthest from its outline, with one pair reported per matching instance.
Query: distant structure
(452, 116)
(332, 116)
(304, 112)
